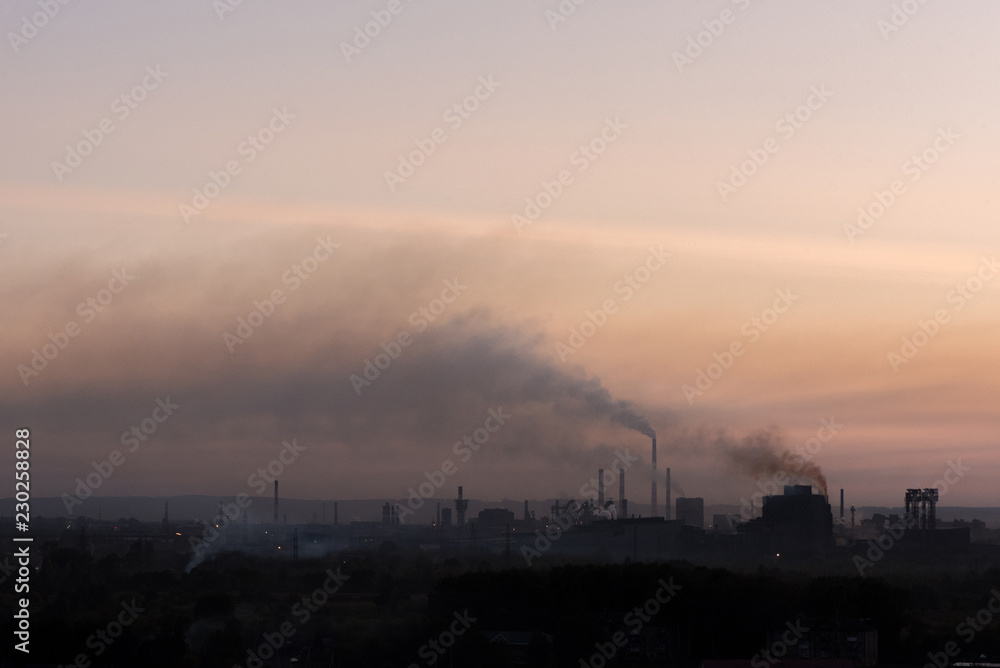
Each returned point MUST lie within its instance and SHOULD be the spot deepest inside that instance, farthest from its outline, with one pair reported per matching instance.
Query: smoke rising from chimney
(762, 454)
(598, 401)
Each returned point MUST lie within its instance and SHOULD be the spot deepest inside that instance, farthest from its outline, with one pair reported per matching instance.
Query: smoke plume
(598, 400)
(762, 454)
(364, 403)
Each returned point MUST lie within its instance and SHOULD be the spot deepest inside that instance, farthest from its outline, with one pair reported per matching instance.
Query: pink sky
(906, 115)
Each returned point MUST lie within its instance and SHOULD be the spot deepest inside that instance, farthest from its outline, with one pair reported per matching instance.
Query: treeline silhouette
(394, 603)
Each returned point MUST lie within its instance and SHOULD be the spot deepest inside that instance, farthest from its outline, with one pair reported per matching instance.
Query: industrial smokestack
(527, 516)
(621, 493)
(652, 490)
(669, 501)
(621, 486)
(275, 501)
(334, 512)
(841, 505)
(461, 505)
(600, 488)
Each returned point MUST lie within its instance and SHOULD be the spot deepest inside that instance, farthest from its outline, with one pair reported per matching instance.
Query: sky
(729, 220)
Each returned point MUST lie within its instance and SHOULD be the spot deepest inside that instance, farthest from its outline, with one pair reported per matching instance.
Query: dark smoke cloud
(292, 379)
(759, 455)
(599, 401)
(763, 454)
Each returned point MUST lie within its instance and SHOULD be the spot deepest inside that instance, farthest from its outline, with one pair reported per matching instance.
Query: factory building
(691, 511)
(797, 522)
(495, 517)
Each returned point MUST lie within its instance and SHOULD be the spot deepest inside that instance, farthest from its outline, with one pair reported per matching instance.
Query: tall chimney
(623, 507)
(527, 515)
(334, 512)
(669, 500)
(600, 488)
(652, 491)
(275, 501)
(461, 505)
(841, 505)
